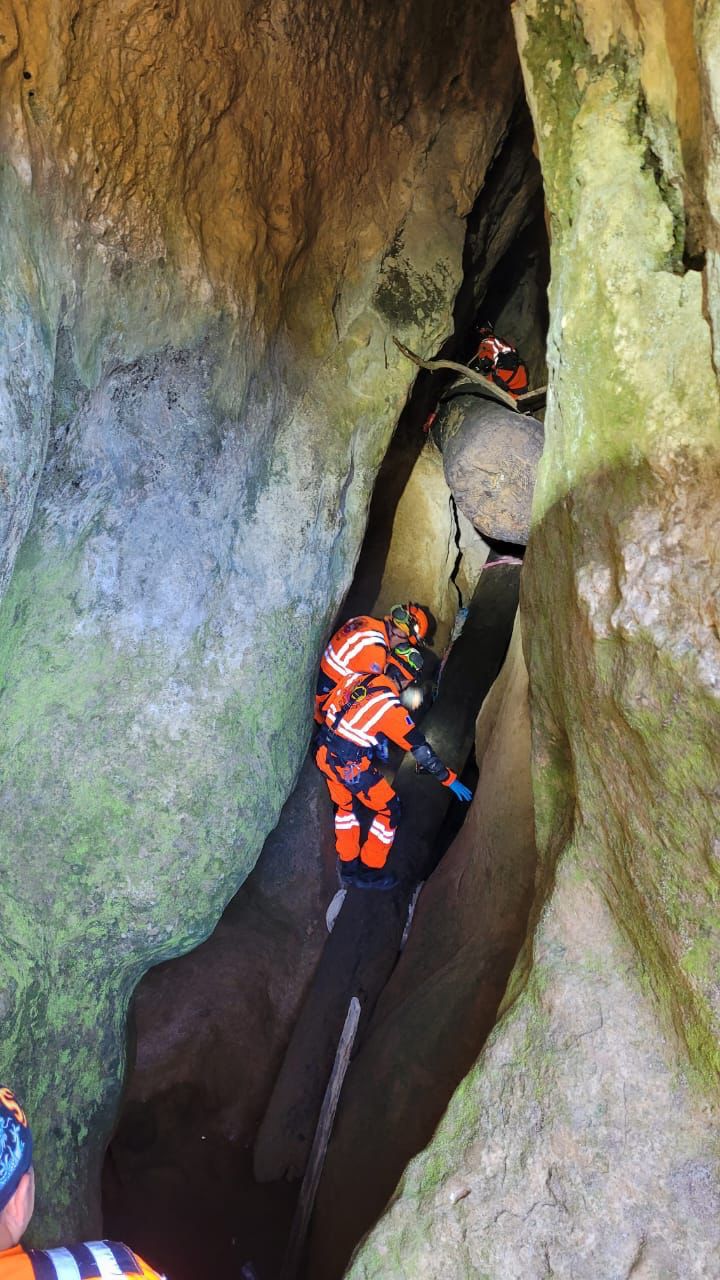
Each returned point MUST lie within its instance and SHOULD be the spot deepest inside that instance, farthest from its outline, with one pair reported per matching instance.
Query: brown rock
(490, 457)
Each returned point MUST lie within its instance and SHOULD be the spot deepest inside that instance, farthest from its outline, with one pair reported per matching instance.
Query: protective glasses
(408, 657)
(403, 620)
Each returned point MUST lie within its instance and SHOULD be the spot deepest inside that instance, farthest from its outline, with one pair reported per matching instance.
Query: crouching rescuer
(362, 645)
(361, 715)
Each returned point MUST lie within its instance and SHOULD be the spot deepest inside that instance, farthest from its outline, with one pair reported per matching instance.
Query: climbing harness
(499, 360)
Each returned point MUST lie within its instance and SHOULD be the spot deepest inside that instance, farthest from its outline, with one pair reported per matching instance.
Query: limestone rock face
(434, 555)
(573, 1148)
(585, 1142)
(213, 218)
(217, 1020)
(490, 459)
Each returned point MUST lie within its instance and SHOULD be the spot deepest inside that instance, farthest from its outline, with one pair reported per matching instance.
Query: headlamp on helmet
(420, 620)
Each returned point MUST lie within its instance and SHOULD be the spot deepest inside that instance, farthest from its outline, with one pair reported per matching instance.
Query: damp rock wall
(585, 1141)
(213, 219)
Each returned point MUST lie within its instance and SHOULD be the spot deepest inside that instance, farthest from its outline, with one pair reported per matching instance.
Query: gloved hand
(382, 749)
(458, 789)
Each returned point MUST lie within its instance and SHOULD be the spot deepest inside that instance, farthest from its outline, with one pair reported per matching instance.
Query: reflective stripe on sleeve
(340, 659)
(64, 1264)
(42, 1264)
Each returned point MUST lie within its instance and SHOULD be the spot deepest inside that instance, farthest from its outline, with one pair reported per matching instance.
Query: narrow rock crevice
(246, 1025)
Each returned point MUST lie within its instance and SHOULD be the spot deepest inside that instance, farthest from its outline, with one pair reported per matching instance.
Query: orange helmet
(421, 619)
(412, 619)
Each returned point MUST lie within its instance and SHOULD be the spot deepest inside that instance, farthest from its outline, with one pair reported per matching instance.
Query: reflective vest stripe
(340, 659)
(96, 1260)
(360, 740)
(361, 736)
(363, 721)
(87, 1265)
(360, 710)
(42, 1265)
(66, 1268)
(114, 1259)
(359, 639)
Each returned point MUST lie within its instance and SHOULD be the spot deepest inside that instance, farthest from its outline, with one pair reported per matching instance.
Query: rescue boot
(348, 871)
(374, 878)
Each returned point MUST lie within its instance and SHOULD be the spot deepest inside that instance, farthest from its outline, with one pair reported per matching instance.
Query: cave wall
(435, 555)
(214, 218)
(585, 1141)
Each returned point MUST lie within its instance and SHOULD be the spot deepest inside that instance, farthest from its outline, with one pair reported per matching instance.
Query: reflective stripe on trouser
(377, 795)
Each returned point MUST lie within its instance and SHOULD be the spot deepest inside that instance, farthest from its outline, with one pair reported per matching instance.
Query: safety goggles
(403, 620)
(408, 658)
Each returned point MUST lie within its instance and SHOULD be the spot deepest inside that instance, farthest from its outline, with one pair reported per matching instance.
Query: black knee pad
(393, 810)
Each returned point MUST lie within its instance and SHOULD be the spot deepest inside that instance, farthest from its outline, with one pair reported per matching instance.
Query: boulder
(490, 457)
(418, 545)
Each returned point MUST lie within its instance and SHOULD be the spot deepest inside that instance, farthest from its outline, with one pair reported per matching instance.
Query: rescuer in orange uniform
(500, 361)
(361, 711)
(361, 646)
(98, 1260)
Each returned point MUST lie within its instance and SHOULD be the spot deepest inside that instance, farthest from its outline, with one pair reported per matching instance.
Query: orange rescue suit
(360, 647)
(500, 361)
(356, 715)
(95, 1260)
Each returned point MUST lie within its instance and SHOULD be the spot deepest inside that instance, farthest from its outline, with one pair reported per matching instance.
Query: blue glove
(462, 792)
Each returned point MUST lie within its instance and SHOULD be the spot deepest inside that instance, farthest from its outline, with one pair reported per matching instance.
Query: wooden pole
(316, 1160)
(529, 400)
(470, 374)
